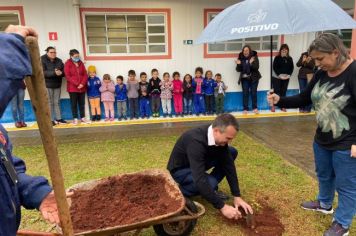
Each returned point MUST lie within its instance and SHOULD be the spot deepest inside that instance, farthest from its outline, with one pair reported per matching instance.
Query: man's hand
(24, 31)
(49, 209)
(239, 202)
(230, 212)
(353, 151)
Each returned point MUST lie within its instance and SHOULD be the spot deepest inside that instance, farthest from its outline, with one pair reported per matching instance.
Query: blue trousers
(18, 112)
(303, 83)
(185, 179)
(144, 107)
(336, 170)
(187, 105)
(249, 87)
(199, 103)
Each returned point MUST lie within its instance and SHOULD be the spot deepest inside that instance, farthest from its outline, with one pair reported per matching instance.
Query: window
(258, 43)
(8, 18)
(117, 33)
(344, 34)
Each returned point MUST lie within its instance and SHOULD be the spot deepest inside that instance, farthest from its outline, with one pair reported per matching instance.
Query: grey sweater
(132, 89)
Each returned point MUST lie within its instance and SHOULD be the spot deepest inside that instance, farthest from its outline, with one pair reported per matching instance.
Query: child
(132, 94)
(144, 97)
(198, 86)
(219, 94)
(188, 94)
(177, 94)
(121, 97)
(166, 95)
(154, 90)
(93, 92)
(107, 90)
(209, 85)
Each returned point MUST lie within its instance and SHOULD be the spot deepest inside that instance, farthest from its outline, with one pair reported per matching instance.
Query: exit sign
(188, 42)
(53, 36)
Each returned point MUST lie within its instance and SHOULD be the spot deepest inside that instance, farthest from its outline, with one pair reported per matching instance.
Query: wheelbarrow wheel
(181, 228)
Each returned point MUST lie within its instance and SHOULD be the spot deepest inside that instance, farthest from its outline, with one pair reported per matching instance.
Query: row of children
(145, 97)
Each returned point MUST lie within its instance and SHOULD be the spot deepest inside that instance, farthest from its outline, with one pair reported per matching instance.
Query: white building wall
(187, 18)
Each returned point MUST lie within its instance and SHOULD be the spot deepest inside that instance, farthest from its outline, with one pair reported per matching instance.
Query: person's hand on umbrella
(24, 31)
(272, 98)
(353, 151)
(239, 202)
(230, 212)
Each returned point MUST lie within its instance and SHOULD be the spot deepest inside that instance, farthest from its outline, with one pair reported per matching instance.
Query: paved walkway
(290, 134)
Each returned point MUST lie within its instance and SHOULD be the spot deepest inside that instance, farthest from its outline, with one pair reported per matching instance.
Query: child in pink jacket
(177, 94)
(107, 90)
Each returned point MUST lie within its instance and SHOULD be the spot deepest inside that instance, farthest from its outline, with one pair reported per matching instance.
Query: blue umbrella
(257, 18)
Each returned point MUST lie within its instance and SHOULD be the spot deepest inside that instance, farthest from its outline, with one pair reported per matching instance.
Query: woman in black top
(332, 91)
(306, 64)
(283, 68)
(248, 64)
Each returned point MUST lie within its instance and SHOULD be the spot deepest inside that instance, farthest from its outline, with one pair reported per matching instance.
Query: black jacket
(305, 68)
(154, 87)
(192, 151)
(52, 80)
(283, 65)
(255, 74)
(188, 92)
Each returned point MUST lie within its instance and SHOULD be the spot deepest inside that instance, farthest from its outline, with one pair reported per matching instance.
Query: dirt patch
(121, 200)
(265, 222)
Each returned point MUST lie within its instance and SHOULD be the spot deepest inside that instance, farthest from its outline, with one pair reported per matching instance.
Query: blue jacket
(28, 191)
(121, 93)
(93, 87)
(209, 86)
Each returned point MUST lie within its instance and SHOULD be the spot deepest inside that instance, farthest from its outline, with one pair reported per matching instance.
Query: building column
(353, 40)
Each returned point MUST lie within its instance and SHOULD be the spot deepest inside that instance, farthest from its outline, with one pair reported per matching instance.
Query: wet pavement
(290, 136)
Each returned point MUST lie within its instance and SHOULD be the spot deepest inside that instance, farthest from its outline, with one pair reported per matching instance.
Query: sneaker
(93, 118)
(85, 121)
(75, 121)
(112, 119)
(170, 115)
(23, 124)
(336, 230)
(256, 111)
(284, 110)
(18, 125)
(125, 118)
(245, 112)
(315, 206)
(273, 109)
(61, 121)
(222, 195)
(98, 117)
(106, 119)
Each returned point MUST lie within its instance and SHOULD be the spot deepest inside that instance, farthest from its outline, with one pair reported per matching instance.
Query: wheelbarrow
(180, 222)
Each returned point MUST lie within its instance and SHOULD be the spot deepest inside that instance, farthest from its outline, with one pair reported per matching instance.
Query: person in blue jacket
(16, 187)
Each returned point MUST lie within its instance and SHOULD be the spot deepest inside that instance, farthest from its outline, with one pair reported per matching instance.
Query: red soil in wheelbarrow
(121, 200)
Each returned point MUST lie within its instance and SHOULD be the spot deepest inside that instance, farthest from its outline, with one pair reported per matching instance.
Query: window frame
(207, 54)
(14, 9)
(147, 56)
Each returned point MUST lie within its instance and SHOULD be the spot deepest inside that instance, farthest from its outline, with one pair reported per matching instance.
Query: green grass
(263, 174)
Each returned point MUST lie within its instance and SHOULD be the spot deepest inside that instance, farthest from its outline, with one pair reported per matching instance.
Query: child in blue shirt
(121, 97)
(93, 92)
(209, 85)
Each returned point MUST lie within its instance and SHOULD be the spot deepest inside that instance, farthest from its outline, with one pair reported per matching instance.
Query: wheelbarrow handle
(33, 233)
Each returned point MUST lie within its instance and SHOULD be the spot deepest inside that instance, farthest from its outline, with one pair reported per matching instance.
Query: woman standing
(247, 64)
(332, 91)
(18, 111)
(306, 72)
(77, 79)
(283, 68)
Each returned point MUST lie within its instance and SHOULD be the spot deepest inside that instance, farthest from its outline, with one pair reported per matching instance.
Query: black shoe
(98, 117)
(222, 195)
(93, 118)
(61, 121)
(54, 123)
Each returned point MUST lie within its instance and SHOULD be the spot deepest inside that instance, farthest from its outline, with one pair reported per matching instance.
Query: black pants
(209, 103)
(75, 100)
(280, 86)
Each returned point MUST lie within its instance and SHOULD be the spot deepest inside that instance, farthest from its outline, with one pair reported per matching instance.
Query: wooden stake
(39, 98)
